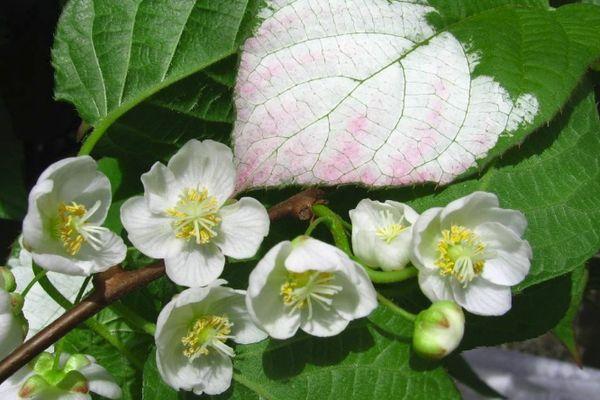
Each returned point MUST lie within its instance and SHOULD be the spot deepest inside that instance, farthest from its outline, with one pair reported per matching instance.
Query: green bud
(76, 362)
(438, 330)
(16, 302)
(7, 280)
(33, 387)
(43, 363)
(74, 381)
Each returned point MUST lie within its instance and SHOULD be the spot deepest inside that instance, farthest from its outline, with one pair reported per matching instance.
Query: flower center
(391, 229)
(301, 289)
(74, 229)
(195, 215)
(208, 332)
(461, 254)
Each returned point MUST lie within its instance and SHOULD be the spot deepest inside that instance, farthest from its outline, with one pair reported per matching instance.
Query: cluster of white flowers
(470, 252)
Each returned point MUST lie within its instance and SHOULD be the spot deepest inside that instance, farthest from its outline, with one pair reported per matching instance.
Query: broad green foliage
(151, 74)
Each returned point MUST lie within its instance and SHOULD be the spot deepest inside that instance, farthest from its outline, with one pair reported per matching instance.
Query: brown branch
(115, 283)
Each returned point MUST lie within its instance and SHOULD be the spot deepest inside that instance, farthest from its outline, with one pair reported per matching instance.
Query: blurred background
(35, 131)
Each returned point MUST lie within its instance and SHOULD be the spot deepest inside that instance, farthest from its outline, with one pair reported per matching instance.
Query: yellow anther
(68, 226)
(460, 253)
(390, 232)
(207, 332)
(195, 215)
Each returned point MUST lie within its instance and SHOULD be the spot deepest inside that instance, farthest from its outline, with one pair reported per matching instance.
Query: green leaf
(111, 55)
(153, 387)
(564, 330)
(346, 366)
(13, 199)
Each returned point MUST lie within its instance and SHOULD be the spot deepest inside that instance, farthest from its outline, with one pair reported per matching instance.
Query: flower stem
(313, 225)
(335, 223)
(390, 276)
(57, 352)
(90, 323)
(81, 292)
(384, 301)
(132, 318)
(35, 280)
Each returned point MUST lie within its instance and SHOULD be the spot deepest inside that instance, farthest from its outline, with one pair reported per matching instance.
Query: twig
(115, 283)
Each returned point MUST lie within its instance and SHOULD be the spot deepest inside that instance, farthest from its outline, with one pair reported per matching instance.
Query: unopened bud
(32, 387)
(75, 382)
(16, 302)
(7, 280)
(438, 330)
(43, 363)
(76, 362)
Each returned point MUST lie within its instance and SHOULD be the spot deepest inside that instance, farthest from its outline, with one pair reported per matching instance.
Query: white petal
(101, 382)
(324, 323)
(34, 233)
(312, 254)
(426, 234)
(207, 164)
(368, 214)
(160, 188)
(244, 331)
(9, 389)
(11, 335)
(460, 211)
(263, 298)
(195, 265)
(150, 233)
(175, 317)
(358, 297)
(482, 297)
(434, 286)
(88, 260)
(215, 373)
(244, 225)
(510, 255)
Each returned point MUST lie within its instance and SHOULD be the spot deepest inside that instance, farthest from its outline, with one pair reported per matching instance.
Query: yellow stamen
(390, 232)
(207, 332)
(301, 289)
(69, 216)
(195, 215)
(460, 253)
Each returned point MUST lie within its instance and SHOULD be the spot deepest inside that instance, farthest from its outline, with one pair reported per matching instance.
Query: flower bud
(76, 362)
(7, 280)
(74, 382)
(438, 330)
(33, 387)
(16, 301)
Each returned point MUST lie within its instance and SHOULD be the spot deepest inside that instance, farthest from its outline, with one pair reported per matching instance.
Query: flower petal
(425, 236)
(150, 233)
(263, 298)
(88, 260)
(207, 164)
(244, 331)
(483, 298)
(11, 335)
(511, 255)
(101, 382)
(244, 225)
(358, 297)
(324, 323)
(434, 286)
(312, 254)
(160, 188)
(195, 265)
(461, 211)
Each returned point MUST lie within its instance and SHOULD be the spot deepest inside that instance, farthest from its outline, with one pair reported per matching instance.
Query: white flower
(382, 232)
(76, 377)
(471, 252)
(183, 216)
(62, 228)
(11, 326)
(191, 335)
(308, 284)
